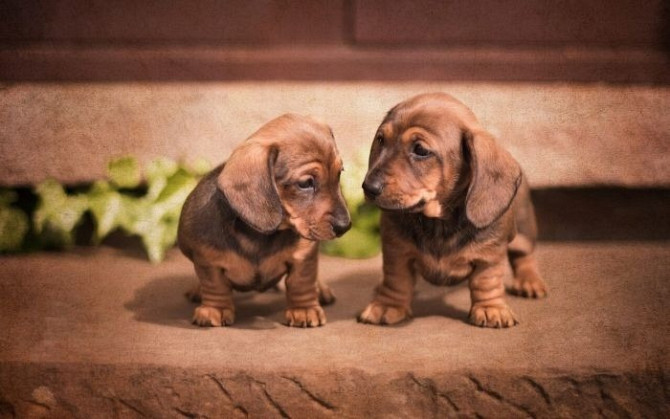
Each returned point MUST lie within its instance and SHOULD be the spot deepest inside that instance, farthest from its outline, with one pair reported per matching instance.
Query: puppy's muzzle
(341, 221)
(341, 226)
(373, 187)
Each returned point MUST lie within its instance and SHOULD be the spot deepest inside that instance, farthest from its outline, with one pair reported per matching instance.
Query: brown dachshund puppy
(455, 206)
(258, 218)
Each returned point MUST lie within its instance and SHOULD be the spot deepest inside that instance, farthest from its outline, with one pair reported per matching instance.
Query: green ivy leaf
(154, 217)
(173, 195)
(367, 218)
(14, 226)
(351, 181)
(106, 206)
(132, 209)
(164, 218)
(159, 239)
(362, 240)
(354, 244)
(161, 167)
(124, 172)
(113, 204)
(198, 167)
(57, 213)
(157, 174)
(7, 197)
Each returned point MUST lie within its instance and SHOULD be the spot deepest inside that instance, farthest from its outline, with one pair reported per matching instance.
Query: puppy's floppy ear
(496, 176)
(247, 181)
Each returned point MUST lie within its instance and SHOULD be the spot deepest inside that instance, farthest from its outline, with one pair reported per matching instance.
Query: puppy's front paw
(492, 316)
(377, 313)
(212, 316)
(305, 317)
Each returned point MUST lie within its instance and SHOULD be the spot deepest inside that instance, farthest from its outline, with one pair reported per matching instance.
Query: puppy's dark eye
(420, 151)
(306, 183)
(379, 139)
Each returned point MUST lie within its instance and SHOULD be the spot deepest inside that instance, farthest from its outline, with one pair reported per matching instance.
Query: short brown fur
(258, 218)
(455, 206)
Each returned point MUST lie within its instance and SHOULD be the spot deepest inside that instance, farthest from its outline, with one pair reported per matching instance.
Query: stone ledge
(79, 390)
(146, 63)
(563, 135)
(102, 332)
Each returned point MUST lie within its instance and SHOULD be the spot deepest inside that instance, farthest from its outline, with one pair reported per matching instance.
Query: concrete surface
(563, 134)
(102, 333)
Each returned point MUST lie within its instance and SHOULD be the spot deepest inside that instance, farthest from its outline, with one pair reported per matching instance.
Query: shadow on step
(162, 301)
(601, 213)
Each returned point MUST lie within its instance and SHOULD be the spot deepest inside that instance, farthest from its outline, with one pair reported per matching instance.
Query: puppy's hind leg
(194, 294)
(326, 295)
(527, 279)
(216, 308)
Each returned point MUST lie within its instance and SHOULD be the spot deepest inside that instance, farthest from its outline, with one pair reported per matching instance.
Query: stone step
(564, 135)
(396, 62)
(100, 333)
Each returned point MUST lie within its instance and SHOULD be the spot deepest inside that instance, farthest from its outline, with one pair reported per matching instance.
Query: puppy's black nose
(341, 226)
(373, 187)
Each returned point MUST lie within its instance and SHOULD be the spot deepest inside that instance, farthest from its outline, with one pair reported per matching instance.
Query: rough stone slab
(101, 332)
(563, 134)
(93, 391)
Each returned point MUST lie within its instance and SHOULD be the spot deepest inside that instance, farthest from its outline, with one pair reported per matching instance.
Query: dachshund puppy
(258, 218)
(455, 206)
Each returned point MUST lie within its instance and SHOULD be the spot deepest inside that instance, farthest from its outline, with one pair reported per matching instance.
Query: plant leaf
(159, 239)
(124, 172)
(198, 167)
(351, 181)
(355, 244)
(13, 228)
(8, 196)
(57, 213)
(175, 192)
(161, 167)
(155, 218)
(362, 240)
(106, 206)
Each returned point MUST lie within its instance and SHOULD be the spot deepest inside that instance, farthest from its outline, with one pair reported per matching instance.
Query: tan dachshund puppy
(258, 218)
(455, 206)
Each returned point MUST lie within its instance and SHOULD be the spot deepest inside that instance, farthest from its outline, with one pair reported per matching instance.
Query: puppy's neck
(447, 210)
(434, 235)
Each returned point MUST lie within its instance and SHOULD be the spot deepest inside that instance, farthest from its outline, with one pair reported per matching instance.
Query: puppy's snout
(341, 220)
(373, 187)
(341, 226)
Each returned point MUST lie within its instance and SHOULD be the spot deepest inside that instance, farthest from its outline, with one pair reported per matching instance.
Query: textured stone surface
(141, 391)
(98, 333)
(564, 135)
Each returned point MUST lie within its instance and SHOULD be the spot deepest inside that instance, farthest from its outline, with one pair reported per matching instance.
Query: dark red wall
(571, 40)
